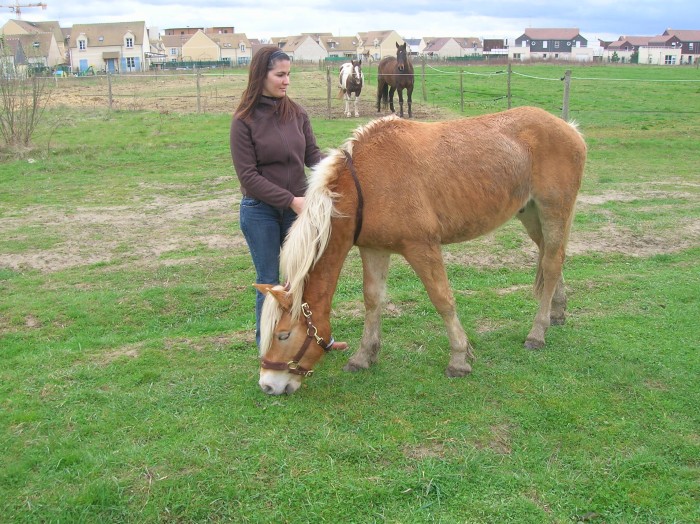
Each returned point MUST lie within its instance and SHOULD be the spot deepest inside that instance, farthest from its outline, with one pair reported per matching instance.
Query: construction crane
(17, 7)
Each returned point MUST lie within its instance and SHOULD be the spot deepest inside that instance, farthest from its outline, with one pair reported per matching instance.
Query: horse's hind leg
(427, 262)
(382, 90)
(391, 98)
(375, 267)
(549, 282)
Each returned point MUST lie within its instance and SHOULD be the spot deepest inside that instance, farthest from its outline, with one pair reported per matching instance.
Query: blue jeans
(264, 228)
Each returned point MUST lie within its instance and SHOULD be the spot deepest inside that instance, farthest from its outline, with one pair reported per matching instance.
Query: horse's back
(458, 179)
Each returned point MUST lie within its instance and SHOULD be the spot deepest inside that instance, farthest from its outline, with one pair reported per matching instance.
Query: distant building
(551, 44)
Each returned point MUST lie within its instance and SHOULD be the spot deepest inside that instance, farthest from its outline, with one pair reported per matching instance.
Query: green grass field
(128, 386)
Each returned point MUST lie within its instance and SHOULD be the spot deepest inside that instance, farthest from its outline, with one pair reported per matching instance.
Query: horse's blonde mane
(309, 235)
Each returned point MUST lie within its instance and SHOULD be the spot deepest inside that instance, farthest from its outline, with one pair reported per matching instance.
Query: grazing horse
(351, 79)
(395, 74)
(400, 186)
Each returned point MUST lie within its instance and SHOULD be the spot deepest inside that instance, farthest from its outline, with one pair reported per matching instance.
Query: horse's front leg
(391, 98)
(400, 102)
(375, 267)
(427, 262)
(357, 99)
(409, 97)
(346, 97)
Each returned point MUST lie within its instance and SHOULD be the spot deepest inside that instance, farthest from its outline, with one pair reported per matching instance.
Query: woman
(271, 142)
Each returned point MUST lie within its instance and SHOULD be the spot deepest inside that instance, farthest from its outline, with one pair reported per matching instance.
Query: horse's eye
(283, 336)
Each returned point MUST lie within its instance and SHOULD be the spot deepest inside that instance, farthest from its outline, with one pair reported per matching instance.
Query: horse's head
(401, 56)
(357, 70)
(289, 347)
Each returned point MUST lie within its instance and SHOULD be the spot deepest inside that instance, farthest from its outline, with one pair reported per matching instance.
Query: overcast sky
(606, 19)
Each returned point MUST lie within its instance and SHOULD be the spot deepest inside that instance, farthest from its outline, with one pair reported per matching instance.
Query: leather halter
(293, 365)
(360, 200)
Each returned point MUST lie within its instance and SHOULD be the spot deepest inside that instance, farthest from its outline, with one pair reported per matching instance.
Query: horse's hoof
(531, 343)
(354, 368)
(457, 372)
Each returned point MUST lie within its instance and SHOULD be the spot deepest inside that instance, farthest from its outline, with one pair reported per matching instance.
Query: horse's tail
(341, 92)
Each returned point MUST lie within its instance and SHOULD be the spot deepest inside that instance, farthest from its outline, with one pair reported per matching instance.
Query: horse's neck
(322, 280)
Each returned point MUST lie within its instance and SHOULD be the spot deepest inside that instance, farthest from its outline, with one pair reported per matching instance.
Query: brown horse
(395, 74)
(400, 186)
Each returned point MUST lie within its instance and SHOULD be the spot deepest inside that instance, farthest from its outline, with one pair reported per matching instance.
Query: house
(48, 47)
(415, 45)
(688, 41)
(495, 48)
(452, 47)
(12, 60)
(661, 50)
(341, 46)
(444, 47)
(41, 51)
(199, 47)
(551, 44)
(625, 49)
(233, 47)
(172, 46)
(376, 45)
(303, 47)
(118, 47)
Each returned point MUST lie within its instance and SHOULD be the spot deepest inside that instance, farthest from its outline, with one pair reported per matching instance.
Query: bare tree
(23, 98)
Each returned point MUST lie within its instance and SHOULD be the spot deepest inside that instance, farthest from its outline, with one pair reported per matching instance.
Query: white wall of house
(200, 48)
(659, 55)
(309, 50)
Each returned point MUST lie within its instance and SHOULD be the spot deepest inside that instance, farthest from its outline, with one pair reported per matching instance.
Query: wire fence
(450, 89)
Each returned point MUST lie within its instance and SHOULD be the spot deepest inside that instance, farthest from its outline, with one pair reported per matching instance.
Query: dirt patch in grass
(163, 231)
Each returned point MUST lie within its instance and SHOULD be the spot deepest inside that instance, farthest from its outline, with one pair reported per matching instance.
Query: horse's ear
(397, 45)
(278, 292)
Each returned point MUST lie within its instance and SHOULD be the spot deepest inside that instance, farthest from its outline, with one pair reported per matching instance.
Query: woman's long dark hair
(263, 61)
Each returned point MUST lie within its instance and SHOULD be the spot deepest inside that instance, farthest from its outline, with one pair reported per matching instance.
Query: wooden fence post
(199, 103)
(425, 92)
(567, 86)
(328, 85)
(510, 74)
(109, 89)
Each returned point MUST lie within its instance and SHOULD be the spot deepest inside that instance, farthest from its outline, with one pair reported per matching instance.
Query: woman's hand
(297, 204)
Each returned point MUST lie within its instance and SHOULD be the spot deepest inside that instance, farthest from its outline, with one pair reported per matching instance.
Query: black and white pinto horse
(351, 80)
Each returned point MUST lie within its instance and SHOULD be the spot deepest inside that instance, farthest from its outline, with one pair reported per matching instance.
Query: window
(129, 42)
(556, 44)
(173, 51)
(131, 62)
(670, 60)
(242, 48)
(82, 45)
(544, 44)
(690, 46)
(524, 43)
(516, 56)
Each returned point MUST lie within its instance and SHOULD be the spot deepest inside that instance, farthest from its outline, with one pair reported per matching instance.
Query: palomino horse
(400, 186)
(351, 79)
(397, 74)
